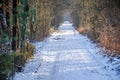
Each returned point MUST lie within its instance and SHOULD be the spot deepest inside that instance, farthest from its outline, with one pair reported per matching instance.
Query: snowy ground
(66, 55)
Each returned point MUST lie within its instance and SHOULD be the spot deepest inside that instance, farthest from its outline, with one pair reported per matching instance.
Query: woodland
(23, 22)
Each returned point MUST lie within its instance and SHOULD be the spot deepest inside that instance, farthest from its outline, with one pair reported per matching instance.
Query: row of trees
(23, 21)
(100, 21)
(31, 20)
(15, 24)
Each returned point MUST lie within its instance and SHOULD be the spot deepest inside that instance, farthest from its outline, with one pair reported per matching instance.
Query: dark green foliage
(9, 64)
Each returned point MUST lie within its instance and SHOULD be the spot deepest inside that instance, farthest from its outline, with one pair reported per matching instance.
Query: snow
(66, 55)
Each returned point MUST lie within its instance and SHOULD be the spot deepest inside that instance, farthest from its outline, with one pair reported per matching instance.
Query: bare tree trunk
(14, 32)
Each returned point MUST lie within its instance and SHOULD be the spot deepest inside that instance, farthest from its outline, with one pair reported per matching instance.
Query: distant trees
(44, 17)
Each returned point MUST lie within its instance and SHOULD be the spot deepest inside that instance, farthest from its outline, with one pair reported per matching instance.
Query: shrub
(13, 62)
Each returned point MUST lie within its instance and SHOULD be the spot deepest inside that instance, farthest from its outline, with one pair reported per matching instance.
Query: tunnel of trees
(25, 21)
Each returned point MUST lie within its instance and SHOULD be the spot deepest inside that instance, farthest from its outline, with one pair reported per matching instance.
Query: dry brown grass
(110, 39)
(83, 29)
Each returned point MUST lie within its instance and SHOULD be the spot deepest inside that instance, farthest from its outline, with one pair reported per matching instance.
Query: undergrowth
(13, 62)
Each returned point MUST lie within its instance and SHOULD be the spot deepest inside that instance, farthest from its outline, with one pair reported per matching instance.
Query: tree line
(27, 20)
(99, 19)
(23, 22)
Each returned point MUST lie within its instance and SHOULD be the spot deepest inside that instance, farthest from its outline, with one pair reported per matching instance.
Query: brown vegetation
(100, 21)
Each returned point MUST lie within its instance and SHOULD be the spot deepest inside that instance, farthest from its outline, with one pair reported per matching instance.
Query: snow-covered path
(65, 55)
